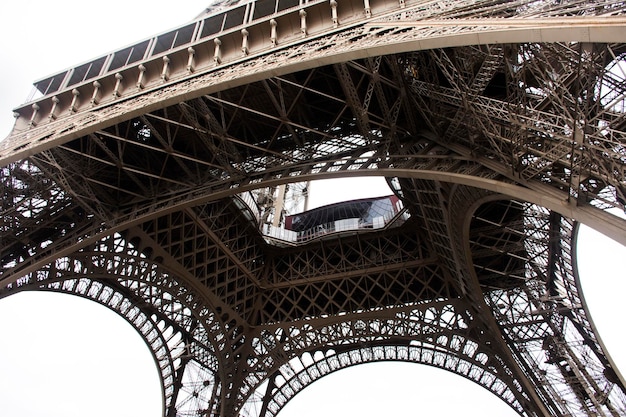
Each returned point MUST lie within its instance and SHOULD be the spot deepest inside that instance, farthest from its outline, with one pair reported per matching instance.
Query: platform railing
(197, 47)
(395, 216)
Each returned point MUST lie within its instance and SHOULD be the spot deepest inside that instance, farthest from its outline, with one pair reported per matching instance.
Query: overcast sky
(63, 356)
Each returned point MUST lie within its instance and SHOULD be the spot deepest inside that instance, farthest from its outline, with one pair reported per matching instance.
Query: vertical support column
(55, 102)
(118, 83)
(217, 54)
(165, 74)
(273, 33)
(142, 72)
(279, 205)
(190, 60)
(306, 195)
(32, 121)
(303, 22)
(75, 93)
(333, 11)
(244, 41)
(96, 90)
(368, 9)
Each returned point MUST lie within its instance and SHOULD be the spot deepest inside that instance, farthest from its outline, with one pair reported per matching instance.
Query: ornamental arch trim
(283, 386)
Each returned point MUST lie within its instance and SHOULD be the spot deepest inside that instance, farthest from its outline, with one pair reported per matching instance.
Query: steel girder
(497, 149)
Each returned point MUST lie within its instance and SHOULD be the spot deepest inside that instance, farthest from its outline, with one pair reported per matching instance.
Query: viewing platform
(372, 213)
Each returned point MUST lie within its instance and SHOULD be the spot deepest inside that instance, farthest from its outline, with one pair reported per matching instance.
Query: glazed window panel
(86, 71)
(164, 43)
(138, 52)
(129, 55)
(287, 4)
(120, 58)
(234, 17)
(50, 85)
(263, 8)
(212, 25)
(184, 35)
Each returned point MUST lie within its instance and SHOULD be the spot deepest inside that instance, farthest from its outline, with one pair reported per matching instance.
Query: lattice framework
(496, 148)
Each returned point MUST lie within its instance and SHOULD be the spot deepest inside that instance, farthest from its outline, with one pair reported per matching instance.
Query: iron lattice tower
(500, 125)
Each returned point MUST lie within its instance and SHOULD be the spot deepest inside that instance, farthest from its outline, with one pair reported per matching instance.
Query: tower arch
(455, 354)
(153, 153)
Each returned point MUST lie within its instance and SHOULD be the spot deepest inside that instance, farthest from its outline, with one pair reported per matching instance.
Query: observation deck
(224, 33)
(343, 217)
(500, 124)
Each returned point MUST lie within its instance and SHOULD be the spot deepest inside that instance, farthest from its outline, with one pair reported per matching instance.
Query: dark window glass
(234, 17)
(50, 85)
(212, 25)
(95, 68)
(78, 74)
(120, 58)
(184, 35)
(86, 71)
(138, 52)
(129, 55)
(263, 8)
(286, 4)
(164, 43)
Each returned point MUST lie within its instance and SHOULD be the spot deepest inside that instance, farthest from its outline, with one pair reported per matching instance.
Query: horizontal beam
(604, 222)
(235, 69)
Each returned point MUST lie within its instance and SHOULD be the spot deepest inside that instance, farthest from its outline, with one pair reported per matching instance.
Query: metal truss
(499, 127)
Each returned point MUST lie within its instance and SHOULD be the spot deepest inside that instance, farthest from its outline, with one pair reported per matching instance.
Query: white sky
(63, 356)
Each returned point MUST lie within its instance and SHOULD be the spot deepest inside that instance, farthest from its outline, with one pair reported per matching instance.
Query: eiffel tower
(146, 179)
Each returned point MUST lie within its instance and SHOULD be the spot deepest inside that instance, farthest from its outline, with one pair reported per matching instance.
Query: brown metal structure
(499, 124)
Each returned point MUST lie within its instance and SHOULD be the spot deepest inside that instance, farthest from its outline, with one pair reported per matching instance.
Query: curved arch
(168, 348)
(414, 35)
(395, 388)
(579, 286)
(547, 308)
(181, 334)
(284, 386)
(608, 224)
(145, 326)
(440, 333)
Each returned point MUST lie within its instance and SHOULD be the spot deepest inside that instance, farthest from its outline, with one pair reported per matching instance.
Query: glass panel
(96, 68)
(184, 35)
(78, 74)
(86, 71)
(212, 25)
(138, 52)
(120, 58)
(50, 85)
(164, 43)
(129, 55)
(263, 8)
(234, 17)
(286, 4)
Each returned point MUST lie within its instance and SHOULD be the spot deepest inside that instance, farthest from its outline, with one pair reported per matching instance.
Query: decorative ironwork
(499, 125)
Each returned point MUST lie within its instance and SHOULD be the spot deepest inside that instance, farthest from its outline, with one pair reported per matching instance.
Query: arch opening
(395, 388)
(63, 355)
(599, 262)
(538, 248)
